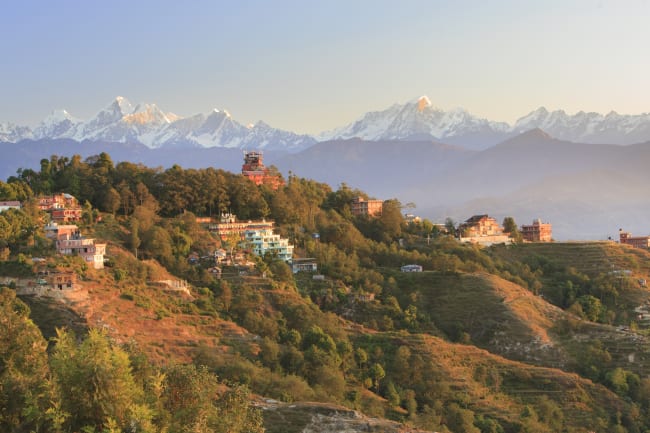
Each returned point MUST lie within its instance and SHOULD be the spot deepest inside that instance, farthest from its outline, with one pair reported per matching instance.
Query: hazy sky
(308, 65)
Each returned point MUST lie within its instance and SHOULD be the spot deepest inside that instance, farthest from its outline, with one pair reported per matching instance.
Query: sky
(311, 66)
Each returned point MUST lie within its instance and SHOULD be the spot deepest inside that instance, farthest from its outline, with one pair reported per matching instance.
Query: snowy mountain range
(122, 122)
(146, 124)
(419, 119)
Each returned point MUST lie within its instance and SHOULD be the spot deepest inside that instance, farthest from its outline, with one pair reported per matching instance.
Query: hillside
(493, 386)
(527, 337)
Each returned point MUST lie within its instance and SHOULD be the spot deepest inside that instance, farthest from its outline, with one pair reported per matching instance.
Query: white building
(411, 268)
(6, 205)
(262, 241)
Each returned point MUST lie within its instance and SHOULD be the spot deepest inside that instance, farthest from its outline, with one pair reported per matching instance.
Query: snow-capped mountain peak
(147, 113)
(57, 116)
(423, 103)
(122, 105)
(417, 119)
(57, 124)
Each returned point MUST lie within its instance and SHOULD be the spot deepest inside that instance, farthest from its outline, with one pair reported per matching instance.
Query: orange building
(57, 201)
(635, 241)
(480, 225)
(62, 207)
(361, 206)
(66, 215)
(482, 230)
(537, 231)
(254, 169)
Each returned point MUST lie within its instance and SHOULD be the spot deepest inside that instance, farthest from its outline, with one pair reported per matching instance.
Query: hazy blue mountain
(585, 190)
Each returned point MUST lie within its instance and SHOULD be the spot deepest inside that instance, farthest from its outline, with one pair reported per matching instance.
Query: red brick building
(361, 206)
(537, 231)
(66, 215)
(254, 169)
(635, 241)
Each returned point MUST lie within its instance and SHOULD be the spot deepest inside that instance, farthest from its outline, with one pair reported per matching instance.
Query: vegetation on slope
(505, 339)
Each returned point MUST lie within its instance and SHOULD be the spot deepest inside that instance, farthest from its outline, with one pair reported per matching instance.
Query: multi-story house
(69, 242)
(54, 230)
(66, 215)
(62, 207)
(537, 231)
(636, 241)
(484, 230)
(57, 201)
(361, 206)
(263, 241)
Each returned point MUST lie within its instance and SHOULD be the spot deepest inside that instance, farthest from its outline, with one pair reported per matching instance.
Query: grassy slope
(498, 315)
(512, 384)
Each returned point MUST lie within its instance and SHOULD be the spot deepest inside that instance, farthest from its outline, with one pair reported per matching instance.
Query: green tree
(391, 220)
(591, 307)
(25, 387)
(112, 201)
(192, 396)
(510, 227)
(460, 420)
(134, 236)
(376, 373)
(95, 384)
(450, 226)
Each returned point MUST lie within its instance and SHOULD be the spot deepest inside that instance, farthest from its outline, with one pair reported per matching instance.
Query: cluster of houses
(256, 236)
(64, 209)
(259, 237)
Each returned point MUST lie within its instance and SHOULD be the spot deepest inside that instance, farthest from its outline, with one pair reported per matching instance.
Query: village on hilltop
(240, 238)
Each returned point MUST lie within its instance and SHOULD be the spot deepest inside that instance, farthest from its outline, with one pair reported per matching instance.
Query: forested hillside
(519, 338)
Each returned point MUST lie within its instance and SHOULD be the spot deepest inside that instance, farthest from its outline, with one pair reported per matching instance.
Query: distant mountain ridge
(419, 119)
(146, 124)
(416, 120)
(586, 190)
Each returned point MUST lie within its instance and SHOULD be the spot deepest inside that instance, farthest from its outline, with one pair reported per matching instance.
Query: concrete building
(304, 265)
(72, 243)
(537, 231)
(361, 206)
(636, 241)
(263, 241)
(54, 230)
